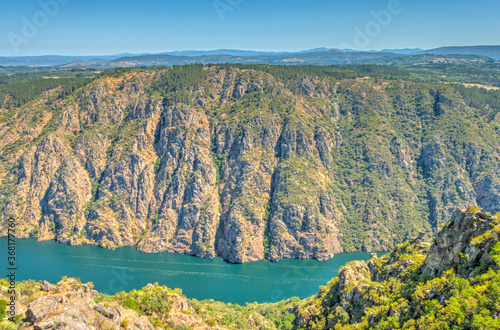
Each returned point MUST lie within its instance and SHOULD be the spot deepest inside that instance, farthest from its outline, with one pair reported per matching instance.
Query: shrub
(125, 323)
(211, 322)
(3, 312)
(474, 209)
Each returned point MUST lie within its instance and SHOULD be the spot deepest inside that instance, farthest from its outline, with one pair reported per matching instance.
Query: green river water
(126, 269)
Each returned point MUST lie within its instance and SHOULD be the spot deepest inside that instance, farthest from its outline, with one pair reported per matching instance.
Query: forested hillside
(245, 161)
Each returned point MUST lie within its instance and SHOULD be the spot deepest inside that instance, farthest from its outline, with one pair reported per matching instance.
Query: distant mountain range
(237, 52)
(393, 51)
(54, 60)
(311, 56)
(489, 51)
(320, 57)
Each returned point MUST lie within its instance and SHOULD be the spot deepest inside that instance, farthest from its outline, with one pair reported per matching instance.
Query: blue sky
(93, 27)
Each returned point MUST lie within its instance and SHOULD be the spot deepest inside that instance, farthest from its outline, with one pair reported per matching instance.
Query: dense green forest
(480, 73)
(487, 74)
(18, 94)
(13, 74)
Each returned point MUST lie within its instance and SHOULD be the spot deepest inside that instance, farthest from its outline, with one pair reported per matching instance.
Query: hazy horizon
(95, 28)
(243, 50)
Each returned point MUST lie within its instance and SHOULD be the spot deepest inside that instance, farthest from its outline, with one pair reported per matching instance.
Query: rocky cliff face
(243, 164)
(456, 241)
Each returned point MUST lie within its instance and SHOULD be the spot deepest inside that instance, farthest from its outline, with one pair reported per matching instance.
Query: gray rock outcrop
(40, 308)
(453, 242)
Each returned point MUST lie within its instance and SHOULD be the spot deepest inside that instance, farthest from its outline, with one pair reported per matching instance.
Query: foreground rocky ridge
(243, 164)
(449, 284)
(70, 304)
(452, 282)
